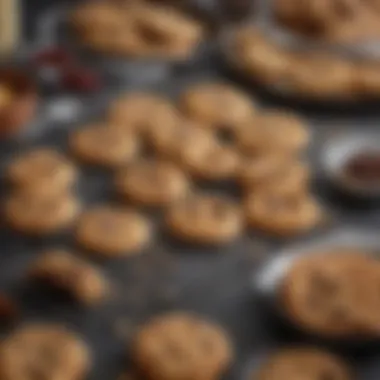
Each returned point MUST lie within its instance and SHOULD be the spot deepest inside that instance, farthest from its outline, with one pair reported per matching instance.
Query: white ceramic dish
(337, 151)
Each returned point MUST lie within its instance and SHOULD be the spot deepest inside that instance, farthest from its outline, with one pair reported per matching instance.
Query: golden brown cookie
(170, 140)
(217, 105)
(322, 76)
(255, 169)
(367, 79)
(179, 346)
(282, 215)
(90, 17)
(142, 112)
(167, 32)
(152, 183)
(46, 351)
(306, 363)
(291, 179)
(82, 280)
(113, 232)
(327, 293)
(40, 215)
(104, 146)
(205, 219)
(217, 162)
(260, 59)
(42, 171)
(274, 131)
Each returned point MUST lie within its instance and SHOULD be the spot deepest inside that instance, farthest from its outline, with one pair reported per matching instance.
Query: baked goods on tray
(137, 29)
(344, 21)
(303, 362)
(289, 71)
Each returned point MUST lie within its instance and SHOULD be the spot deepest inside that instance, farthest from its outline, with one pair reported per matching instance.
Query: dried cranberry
(81, 80)
(55, 56)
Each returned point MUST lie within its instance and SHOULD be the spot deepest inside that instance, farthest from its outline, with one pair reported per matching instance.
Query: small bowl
(336, 153)
(23, 104)
(269, 277)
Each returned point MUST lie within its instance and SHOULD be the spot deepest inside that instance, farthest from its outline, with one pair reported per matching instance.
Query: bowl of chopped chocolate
(18, 100)
(352, 164)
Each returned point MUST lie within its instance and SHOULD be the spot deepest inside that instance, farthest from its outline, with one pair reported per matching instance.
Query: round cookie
(180, 346)
(167, 32)
(170, 140)
(42, 171)
(104, 146)
(282, 215)
(322, 77)
(112, 232)
(96, 17)
(279, 131)
(40, 215)
(256, 169)
(291, 179)
(152, 183)
(327, 293)
(142, 112)
(46, 351)
(260, 59)
(65, 271)
(306, 363)
(217, 106)
(205, 219)
(217, 162)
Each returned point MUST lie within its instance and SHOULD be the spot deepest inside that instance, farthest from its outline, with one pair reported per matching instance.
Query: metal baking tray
(169, 276)
(213, 282)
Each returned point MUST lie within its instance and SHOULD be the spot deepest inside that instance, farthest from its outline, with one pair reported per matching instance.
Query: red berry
(81, 80)
(54, 56)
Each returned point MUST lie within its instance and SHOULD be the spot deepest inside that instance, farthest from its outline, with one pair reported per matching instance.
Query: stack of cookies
(310, 74)
(137, 29)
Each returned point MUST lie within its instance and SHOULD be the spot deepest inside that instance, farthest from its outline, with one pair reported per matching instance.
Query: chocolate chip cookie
(42, 171)
(179, 346)
(215, 163)
(291, 179)
(113, 232)
(327, 293)
(217, 105)
(257, 58)
(40, 215)
(46, 351)
(142, 112)
(324, 77)
(152, 183)
(205, 219)
(170, 140)
(255, 169)
(282, 214)
(305, 363)
(274, 131)
(104, 146)
(82, 280)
